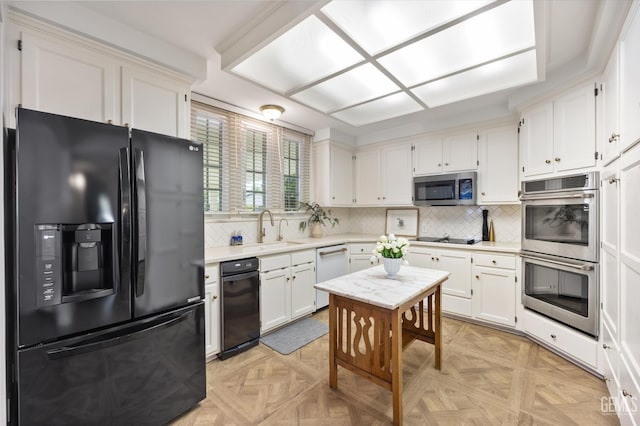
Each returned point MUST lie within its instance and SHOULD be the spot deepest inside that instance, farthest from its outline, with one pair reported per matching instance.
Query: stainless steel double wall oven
(560, 245)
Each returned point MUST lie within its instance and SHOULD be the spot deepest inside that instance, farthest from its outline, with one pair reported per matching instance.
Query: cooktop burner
(447, 240)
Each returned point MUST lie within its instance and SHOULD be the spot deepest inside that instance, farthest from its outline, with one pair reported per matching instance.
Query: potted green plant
(317, 216)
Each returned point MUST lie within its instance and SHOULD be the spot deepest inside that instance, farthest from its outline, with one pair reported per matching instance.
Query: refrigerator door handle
(140, 234)
(125, 335)
(125, 223)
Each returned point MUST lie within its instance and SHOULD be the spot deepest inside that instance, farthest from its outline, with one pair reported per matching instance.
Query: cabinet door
(629, 82)
(459, 264)
(397, 178)
(427, 157)
(609, 196)
(460, 152)
(423, 257)
(341, 173)
(574, 134)
(498, 169)
(610, 134)
(275, 299)
(154, 103)
(68, 80)
(367, 177)
(303, 295)
(630, 257)
(212, 319)
(494, 295)
(536, 140)
(358, 262)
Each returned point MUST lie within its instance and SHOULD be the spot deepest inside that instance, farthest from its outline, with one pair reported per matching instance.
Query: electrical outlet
(424, 228)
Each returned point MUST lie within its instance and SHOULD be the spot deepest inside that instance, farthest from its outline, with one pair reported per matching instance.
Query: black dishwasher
(240, 306)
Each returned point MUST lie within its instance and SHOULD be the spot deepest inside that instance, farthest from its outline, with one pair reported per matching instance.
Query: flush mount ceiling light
(271, 112)
(362, 61)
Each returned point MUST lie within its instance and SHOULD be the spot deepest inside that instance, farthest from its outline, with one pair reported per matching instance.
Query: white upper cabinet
(333, 174)
(574, 130)
(498, 166)
(395, 172)
(609, 119)
(460, 152)
(72, 76)
(559, 136)
(61, 78)
(383, 177)
(153, 103)
(427, 156)
(629, 81)
(367, 178)
(448, 154)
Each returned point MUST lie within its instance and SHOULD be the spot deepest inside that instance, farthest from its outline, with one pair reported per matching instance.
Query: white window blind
(250, 165)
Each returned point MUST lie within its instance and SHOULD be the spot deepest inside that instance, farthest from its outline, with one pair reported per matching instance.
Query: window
(250, 165)
(291, 175)
(208, 131)
(256, 173)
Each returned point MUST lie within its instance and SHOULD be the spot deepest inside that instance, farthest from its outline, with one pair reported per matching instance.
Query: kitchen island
(372, 317)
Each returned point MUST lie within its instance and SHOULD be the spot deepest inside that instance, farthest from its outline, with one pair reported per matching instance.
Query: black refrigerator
(105, 273)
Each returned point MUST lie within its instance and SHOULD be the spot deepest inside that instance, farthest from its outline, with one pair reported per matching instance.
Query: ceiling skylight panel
(358, 85)
(510, 72)
(305, 53)
(381, 109)
(500, 31)
(379, 25)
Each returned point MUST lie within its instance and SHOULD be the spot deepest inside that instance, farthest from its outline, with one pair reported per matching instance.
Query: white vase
(316, 230)
(392, 266)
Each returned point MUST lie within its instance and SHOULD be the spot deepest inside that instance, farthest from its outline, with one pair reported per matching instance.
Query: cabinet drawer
(494, 260)
(303, 256)
(269, 263)
(362, 248)
(211, 274)
(558, 336)
(610, 368)
(629, 394)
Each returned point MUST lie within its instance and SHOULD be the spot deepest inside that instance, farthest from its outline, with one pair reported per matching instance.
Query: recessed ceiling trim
(368, 101)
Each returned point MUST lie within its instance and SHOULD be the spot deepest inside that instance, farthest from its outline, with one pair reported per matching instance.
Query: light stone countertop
(224, 253)
(372, 285)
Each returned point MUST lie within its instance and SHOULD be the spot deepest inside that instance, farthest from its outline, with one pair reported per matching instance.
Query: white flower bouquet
(391, 247)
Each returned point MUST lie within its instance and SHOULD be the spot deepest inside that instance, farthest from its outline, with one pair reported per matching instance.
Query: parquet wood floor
(488, 377)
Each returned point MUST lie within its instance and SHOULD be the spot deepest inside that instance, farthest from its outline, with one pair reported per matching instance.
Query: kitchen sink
(273, 245)
(447, 240)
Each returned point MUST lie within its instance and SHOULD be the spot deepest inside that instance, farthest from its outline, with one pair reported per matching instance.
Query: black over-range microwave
(445, 190)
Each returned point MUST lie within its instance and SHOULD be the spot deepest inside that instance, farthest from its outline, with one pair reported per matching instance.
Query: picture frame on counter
(402, 222)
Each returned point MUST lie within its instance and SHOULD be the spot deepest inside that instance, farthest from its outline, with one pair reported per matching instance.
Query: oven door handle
(555, 196)
(581, 267)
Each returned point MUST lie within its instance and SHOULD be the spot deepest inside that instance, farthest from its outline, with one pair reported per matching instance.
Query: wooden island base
(368, 340)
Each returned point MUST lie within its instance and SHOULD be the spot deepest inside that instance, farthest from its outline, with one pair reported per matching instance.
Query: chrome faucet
(280, 228)
(261, 231)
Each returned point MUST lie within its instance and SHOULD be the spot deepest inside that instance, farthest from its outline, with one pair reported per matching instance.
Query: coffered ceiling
(370, 67)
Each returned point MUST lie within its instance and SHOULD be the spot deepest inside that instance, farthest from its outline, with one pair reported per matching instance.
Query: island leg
(396, 365)
(438, 327)
(333, 342)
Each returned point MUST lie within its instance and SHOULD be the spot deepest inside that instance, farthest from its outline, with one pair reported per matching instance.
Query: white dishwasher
(331, 262)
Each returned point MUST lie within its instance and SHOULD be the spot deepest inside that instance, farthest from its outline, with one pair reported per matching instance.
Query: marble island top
(372, 285)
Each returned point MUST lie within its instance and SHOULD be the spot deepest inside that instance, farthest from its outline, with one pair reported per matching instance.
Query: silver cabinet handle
(605, 346)
(614, 137)
(557, 159)
(553, 336)
(626, 393)
(582, 267)
(548, 161)
(555, 197)
(327, 253)
(214, 297)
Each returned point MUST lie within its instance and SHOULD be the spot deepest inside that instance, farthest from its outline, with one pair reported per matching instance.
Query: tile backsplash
(457, 221)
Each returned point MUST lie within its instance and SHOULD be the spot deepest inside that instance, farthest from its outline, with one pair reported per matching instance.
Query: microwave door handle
(554, 197)
(581, 267)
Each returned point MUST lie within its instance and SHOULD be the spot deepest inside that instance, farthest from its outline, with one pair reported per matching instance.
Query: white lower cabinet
(360, 256)
(211, 311)
(559, 337)
(456, 291)
(286, 288)
(494, 289)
